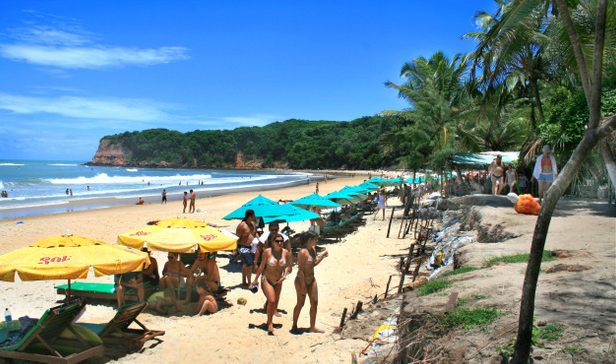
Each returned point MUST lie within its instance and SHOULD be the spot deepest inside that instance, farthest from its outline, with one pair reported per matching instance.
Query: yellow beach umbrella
(69, 257)
(179, 236)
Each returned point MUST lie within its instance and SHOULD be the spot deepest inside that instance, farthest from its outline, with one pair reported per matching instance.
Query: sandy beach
(357, 268)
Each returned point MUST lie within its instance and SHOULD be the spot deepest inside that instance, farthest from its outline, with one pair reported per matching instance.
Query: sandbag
(527, 204)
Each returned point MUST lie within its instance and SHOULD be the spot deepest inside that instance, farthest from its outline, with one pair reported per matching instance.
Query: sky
(72, 72)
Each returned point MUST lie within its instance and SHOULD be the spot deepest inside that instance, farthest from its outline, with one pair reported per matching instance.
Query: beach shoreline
(69, 204)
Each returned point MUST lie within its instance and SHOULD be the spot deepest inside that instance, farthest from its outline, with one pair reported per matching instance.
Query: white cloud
(86, 108)
(253, 120)
(90, 57)
(68, 46)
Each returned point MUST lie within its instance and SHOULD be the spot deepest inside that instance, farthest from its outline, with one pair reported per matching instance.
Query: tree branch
(597, 66)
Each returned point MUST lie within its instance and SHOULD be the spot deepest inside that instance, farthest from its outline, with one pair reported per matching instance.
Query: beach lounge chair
(117, 331)
(105, 291)
(53, 338)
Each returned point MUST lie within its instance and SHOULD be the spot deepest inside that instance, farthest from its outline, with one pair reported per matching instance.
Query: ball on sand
(241, 301)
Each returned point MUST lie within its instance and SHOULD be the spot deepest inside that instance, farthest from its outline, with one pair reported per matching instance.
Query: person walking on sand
(164, 201)
(185, 201)
(193, 197)
(497, 174)
(381, 203)
(275, 266)
(305, 281)
(545, 171)
(316, 189)
(246, 232)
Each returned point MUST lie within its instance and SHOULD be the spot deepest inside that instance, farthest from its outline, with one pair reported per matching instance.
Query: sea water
(46, 187)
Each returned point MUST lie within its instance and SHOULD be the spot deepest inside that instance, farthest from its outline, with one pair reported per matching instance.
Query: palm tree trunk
(535, 87)
(594, 134)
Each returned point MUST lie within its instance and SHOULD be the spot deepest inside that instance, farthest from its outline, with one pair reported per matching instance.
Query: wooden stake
(391, 217)
(357, 310)
(387, 289)
(339, 328)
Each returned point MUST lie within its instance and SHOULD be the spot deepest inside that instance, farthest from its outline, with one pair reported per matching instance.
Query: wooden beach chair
(117, 331)
(53, 338)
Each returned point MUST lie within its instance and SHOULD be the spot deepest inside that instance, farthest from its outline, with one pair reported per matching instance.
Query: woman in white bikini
(305, 282)
(275, 266)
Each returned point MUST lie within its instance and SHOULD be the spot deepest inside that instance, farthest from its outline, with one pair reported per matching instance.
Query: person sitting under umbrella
(126, 281)
(203, 269)
(173, 273)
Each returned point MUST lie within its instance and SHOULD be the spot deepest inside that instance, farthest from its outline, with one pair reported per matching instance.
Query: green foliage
(518, 258)
(568, 115)
(433, 286)
(573, 350)
(551, 332)
(507, 349)
(460, 271)
(469, 318)
(298, 144)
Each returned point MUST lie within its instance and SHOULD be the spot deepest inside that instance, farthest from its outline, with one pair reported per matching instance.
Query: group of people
(192, 198)
(203, 276)
(544, 172)
(269, 255)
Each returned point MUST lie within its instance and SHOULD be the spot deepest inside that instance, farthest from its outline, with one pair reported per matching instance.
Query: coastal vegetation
(296, 144)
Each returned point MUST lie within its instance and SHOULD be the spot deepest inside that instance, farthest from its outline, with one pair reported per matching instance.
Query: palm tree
(595, 133)
(438, 99)
(510, 52)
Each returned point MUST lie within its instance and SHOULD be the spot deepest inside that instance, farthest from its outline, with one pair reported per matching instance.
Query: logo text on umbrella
(47, 260)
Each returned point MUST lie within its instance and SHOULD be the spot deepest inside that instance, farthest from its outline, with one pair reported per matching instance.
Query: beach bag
(527, 204)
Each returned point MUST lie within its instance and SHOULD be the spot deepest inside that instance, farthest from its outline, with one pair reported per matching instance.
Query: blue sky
(74, 71)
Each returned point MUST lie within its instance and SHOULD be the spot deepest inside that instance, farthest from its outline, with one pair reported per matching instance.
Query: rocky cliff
(109, 154)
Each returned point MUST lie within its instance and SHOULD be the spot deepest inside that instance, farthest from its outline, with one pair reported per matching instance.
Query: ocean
(48, 187)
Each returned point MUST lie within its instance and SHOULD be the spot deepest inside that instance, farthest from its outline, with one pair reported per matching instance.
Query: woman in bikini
(305, 281)
(275, 266)
(545, 170)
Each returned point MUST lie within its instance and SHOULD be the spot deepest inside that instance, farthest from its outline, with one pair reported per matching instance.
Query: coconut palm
(438, 99)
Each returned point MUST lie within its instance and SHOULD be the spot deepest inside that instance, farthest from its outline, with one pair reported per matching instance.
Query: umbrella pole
(68, 297)
(179, 275)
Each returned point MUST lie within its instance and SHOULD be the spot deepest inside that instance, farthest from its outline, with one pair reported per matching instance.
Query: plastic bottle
(8, 320)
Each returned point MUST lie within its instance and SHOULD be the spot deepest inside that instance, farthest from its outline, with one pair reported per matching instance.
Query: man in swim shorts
(193, 197)
(246, 232)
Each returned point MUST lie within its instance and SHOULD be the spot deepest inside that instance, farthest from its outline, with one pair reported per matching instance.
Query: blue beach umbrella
(314, 200)
(368, 185)
(378, 181)
(298, 214)
(263, 207)
(358, 194)
(342, 198)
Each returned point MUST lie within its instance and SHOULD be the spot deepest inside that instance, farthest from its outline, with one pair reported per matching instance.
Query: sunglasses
(279, 241)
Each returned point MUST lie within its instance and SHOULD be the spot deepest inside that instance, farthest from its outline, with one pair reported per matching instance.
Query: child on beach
(161, 300)
(207, 303)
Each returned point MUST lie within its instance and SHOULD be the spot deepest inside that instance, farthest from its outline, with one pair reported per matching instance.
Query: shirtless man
(246, 231)
(185, 201)
(193, 197)
(497, 174)
(173, 271)
(203, 269)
